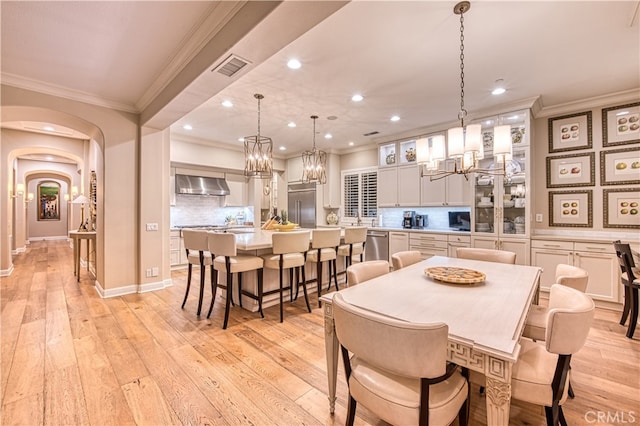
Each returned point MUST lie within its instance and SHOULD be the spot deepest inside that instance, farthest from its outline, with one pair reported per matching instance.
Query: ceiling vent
(371, 133)
(231, 65)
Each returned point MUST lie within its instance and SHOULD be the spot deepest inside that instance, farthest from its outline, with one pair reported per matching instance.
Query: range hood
(200, 185)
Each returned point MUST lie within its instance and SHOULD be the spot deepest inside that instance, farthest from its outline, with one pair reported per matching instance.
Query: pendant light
(258, 152)
(314, 162)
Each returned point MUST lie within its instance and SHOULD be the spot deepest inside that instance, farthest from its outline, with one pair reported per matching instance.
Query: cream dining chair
(197, 247)
(365, 271)
(542, 373)
(488, 255)
(222, 247)
(398, 370)
(403, 259)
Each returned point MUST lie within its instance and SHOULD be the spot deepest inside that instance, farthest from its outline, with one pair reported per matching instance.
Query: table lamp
(82, 200)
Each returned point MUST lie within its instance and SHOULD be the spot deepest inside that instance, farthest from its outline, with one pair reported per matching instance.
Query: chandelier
(464, 145)
(314, 162)
(258, 152)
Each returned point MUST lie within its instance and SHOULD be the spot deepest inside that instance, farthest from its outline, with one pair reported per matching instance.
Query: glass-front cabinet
(501, 203)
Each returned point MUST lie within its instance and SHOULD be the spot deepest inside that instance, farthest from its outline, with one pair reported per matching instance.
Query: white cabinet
(598, 259)
(331, 189)
(174, 248)
(454, 190)
(238, 191)
(398, 241)
(429, 244)
(455, 241)
(399, 186)
(519, 246)
(294, 169)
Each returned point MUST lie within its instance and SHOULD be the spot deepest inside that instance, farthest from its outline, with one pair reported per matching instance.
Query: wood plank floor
(69, 357)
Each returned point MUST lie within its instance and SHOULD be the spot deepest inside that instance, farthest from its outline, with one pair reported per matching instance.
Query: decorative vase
(332, 218)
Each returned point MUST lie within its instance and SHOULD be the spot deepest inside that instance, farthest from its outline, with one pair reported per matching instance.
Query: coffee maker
(409, 219)
(422, 221)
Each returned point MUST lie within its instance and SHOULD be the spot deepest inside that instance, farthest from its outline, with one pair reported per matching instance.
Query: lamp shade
(20, 188)
(502, 140)
(422, 150)
(437, 148)
(455, 142)
(473, 138)
(81, 199)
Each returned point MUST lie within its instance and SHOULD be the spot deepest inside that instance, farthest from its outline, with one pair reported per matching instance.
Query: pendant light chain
(463, 112)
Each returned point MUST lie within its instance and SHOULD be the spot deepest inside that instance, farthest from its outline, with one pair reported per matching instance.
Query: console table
(77, 237)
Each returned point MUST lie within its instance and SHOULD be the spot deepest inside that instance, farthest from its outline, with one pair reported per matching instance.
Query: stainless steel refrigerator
(302, 204)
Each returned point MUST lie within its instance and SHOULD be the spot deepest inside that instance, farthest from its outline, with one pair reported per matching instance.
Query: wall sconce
(19, 191)
(29, 198)
(67, 197)
(74, 191)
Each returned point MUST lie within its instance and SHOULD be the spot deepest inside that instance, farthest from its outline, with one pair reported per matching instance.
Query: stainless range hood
(200, 185)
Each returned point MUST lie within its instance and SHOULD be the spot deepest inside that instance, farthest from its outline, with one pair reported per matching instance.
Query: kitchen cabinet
(397, 153)
(598, 259)
(455, 241)
(238, 193)
(399, 186)
(454, 190)
(174, 247)
(398, 241)
(331, 189)
(519, 246)
(294, 169)
(429, 244)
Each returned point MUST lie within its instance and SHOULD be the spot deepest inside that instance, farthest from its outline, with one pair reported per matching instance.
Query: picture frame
(571, 132)
(621, 125)
(621, 208)
(571, 208)
(48, 201)
(620, 166)
(571, 170)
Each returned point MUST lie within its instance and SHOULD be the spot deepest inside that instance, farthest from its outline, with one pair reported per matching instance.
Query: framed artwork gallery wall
(588, 166)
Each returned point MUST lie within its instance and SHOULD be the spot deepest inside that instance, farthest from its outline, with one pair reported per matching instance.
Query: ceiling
(403, 57)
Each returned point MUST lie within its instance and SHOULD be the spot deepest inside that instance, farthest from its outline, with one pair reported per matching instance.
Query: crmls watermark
(609, 417)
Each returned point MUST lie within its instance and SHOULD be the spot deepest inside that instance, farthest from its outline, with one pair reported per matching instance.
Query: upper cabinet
(397, 153)
(238, 192)
(331, 189)
(454, 190)
(398, 175)
(294, 169)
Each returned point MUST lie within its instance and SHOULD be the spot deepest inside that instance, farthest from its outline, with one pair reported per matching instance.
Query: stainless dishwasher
(377, 245)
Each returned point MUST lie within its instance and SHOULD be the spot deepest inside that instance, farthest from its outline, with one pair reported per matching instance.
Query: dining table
(485, 317)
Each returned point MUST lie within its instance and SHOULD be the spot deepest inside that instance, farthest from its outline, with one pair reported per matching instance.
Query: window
(359, 192)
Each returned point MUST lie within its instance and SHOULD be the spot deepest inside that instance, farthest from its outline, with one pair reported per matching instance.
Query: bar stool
(197, 248)
(324, 247)
(289, 252)
(354, 240)
(226, 259)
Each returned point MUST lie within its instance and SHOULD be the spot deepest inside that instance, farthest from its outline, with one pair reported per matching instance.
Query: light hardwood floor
(70, 357)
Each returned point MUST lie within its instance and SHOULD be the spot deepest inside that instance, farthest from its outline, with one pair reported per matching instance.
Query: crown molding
(625, 96)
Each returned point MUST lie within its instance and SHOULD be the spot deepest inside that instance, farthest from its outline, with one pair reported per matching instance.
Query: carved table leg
(331, 349)
(498, 402)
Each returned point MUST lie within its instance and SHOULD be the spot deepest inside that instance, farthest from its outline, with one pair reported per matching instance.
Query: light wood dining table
(485, 319)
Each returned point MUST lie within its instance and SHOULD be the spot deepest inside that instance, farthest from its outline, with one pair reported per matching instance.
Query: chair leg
(229, 297)
(570, 392)
(202, 271)
(319, 279)
(304, 288)
(240, 288)
(553, 415)
(627, 305)
(351, 411)
(281, 290)
(335, 274)
(214, 290)
(186, 293)
(563, 421)
(633, 319)
(291, 283)
(260, 290)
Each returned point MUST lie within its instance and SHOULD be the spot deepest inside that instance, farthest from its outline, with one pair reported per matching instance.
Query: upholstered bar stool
(354, 240)
(222, 247)
(364, 271)
(197, 247)
(289, 252)
(324, 248)
(488, 255)
(403, 259)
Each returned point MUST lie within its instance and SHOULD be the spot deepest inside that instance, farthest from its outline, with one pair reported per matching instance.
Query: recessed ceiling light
(227, 103)
(357, 97)
(240, 139)
(488, 122)
(332, 117)
(48, 128)
(351, 144)
(395, 118)
(498, 91)
(328, 136)
(283, 148)
(291, 124)
(187, 127)
(294, 64)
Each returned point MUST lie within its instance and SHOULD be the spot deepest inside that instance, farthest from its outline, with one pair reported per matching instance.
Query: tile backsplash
(205, 210)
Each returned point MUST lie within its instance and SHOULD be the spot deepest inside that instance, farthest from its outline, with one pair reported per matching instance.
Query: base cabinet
(597, 259)
(398, 241)
(455, 241)
(521, 247)
(429, 244)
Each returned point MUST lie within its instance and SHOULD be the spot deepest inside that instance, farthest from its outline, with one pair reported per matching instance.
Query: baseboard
(131, 289)
(58, 237)
(6, 272)
(19, 250)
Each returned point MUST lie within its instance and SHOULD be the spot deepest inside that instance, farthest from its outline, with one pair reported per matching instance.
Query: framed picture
(622, 208)
(620, 166)
(621, 125)
(571, 170)
(48, 201)
(571, 208)
(570, 132)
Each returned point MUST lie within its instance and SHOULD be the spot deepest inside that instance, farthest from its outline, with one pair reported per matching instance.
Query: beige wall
(359, 159)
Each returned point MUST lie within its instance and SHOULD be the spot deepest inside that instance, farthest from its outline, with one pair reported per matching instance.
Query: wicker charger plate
(455, 275)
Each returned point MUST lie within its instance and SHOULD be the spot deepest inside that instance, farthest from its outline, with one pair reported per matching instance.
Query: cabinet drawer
(460, 239)
(422, 237)
(427, 245)
(552, 245)
(595, 247)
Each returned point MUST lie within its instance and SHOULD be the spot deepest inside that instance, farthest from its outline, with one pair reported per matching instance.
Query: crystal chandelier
(314, 162)
(258, 152)
(464, 145)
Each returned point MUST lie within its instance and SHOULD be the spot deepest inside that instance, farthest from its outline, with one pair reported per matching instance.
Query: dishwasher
(377, 245)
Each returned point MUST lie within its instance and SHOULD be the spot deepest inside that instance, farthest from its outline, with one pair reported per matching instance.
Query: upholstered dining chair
(488, 255)
(197, 247)
(542, 373)
(324, 248)
(398, 370)
(289, 252)
(567, 275)
(355, 238)
(631, 285)
(222, 247)
(402, 259)
(363, 271)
